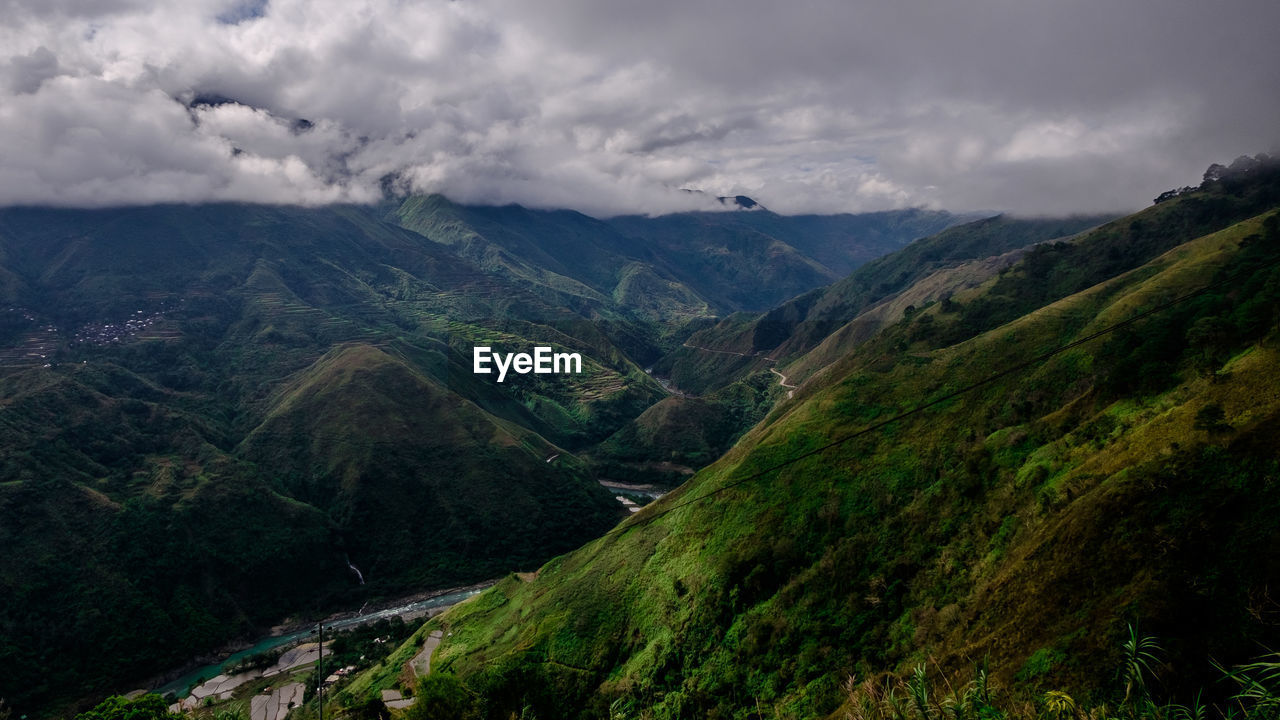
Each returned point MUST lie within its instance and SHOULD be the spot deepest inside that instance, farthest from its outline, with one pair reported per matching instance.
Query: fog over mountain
(615, 107)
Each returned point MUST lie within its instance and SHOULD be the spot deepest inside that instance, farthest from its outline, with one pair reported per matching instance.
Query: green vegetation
(367, 644)
(850, 311)
(207, 412)
(1027, 525)
(679, 434)
(146, 707)
(172, 485)
(754, 260)
(218, 417)
(923, 696)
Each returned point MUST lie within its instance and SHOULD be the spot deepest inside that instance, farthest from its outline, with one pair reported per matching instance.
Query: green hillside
(956, 258)
(755, 260)
(213, 416)
(679, 434)
(1012, 533)
(492, 501)
(847, 313)
(207, 412)
(235, 375)
(649, 277)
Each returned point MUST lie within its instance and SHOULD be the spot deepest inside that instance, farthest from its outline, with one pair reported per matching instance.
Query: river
(182, 685)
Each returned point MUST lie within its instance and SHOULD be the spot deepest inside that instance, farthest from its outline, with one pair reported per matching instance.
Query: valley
(235, 414)
(604, 360)
(983, 506)
(406, 610)
(732, 506)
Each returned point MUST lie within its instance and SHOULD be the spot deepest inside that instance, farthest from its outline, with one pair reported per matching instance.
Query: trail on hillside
(722, 352)
(421, 664)
(782, 380)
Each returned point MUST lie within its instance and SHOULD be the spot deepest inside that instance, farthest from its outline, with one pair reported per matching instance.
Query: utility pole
(320, 673)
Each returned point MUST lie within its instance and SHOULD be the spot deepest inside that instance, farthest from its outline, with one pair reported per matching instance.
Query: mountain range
(917, 454)
(1045, 486)
(217, 417)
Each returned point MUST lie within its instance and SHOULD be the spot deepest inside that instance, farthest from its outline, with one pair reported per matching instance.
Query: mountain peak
(741, 202)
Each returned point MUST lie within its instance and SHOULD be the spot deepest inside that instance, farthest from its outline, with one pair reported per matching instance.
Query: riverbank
(179, 681)
(652, 492)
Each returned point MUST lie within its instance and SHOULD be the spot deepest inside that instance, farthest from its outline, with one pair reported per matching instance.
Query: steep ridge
(168, 367)
(722, 261)
(964, 255)
(939, 286)
(1015, 523)
(375, 445)
(1072, 262)
(754, 260)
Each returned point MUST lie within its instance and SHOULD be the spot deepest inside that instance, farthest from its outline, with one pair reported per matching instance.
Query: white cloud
(609, 106)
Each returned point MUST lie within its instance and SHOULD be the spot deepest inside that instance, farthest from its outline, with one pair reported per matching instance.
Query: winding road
(782, 379)
(722, 352)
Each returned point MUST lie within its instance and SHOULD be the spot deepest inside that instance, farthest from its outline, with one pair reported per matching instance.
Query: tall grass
(922, 696)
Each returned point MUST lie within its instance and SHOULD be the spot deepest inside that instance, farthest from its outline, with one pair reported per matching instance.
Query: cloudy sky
(610, 106)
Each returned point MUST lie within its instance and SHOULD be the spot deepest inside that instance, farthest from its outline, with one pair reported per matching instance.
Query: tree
(1212, 418)
(1213, 174)
(118, 707)
(441, 696)
(374, 709)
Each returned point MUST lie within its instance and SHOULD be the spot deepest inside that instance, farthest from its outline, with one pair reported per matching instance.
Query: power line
(644, 519)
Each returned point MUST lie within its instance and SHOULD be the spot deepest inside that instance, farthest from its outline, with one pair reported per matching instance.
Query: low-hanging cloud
(612, 106)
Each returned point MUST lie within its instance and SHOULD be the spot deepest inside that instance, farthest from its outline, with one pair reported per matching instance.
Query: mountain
(1004, 491)
(493, 501)
(209, 413)
(755, 260)
(725, 261)
(679, 434)
(733, 373)
(858, 305)
(215, 417)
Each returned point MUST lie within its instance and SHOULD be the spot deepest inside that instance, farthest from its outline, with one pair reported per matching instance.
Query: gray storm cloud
(611, 106)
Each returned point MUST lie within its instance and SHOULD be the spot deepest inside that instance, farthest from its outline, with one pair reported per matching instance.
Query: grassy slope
(849, 311)
(688, 431)
(377, 445)
(956, 257)
(957, 534)
(929, 289)
(743, 346)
